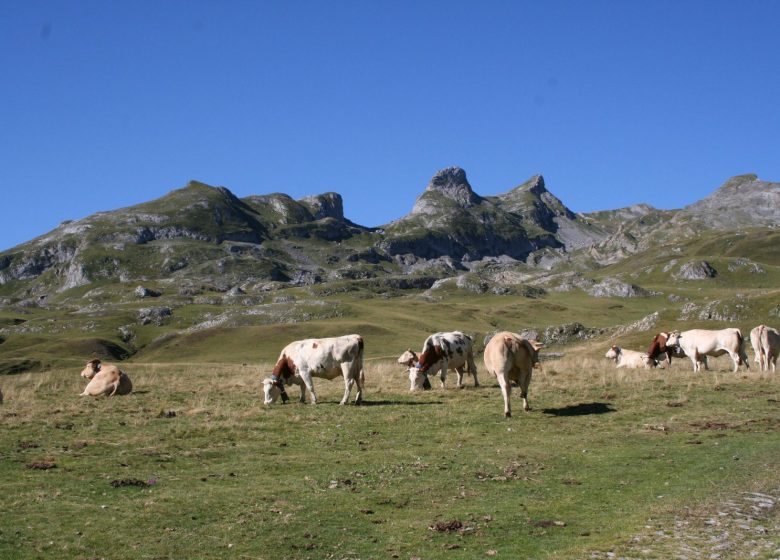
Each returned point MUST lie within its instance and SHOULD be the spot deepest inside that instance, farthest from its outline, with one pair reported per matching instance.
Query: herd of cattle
(509, 357)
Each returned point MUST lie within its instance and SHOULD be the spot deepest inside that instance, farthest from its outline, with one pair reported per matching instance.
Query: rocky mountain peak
(451, 182)
(327, 205)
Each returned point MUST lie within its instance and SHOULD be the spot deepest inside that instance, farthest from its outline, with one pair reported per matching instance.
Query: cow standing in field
(105, 379)
(328, 358)
(442, 351)
(766, 345)
(700, 343)
(658, 348)
(628, 358)
(512, 358)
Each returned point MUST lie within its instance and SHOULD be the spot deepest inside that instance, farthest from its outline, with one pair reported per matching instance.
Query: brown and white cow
(512, 358)
(417, 380)
(105, 379)
(327, 358)
(442, 351)
(631, 359)
(766, 345)
(658, 348)
(700, 343)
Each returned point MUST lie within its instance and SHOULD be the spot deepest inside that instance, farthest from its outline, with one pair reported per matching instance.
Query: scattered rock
(742, 263)
(696, 270)
(144, 292)
(155, 315)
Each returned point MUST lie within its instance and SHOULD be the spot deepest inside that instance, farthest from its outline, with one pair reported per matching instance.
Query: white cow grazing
(105, 379)
(272, 390)
(510, 358)
(327, 358)
(700, 343)
(442, 351)
(766, 344)
(629, 358)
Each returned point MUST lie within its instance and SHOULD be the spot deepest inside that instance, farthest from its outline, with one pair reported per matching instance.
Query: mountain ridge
(208, 232)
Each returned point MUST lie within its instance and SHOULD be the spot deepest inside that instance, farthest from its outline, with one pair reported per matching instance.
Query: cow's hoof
(507, 415)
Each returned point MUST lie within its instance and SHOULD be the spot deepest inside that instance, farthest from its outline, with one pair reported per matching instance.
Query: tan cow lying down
(327, 358)
(105, 379)
(700, 343)
(628, 358)
(512, 358)
(766, 344)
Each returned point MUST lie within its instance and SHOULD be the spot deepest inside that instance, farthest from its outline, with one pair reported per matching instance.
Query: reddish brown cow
(658, 347)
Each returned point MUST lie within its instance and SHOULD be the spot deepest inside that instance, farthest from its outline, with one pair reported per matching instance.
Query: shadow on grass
(582, 409)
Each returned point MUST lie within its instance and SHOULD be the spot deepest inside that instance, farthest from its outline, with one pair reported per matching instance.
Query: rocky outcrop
(612, 287)
(696, 270)
(328, 205)
(144, 292)
(154, 315)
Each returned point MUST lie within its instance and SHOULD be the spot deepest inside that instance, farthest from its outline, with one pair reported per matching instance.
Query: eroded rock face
(696, 270)
(612, 287)
(328, 205)
(155, 315)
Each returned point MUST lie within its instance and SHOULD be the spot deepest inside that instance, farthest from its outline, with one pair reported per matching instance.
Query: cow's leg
(306, 377)
(302, 400)
(506, 391)
(525, 381)
(348, 381)
(473, 370)
(459, 372)
(443, 372)
(736, 359)
(359, 378)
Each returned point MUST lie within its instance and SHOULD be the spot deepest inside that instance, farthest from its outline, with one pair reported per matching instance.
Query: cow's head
(418, 380)
(272, 390)
(674, 338)
(429, 358)
(536, 345)
(612, 353)
(91, 368)
(408, 358)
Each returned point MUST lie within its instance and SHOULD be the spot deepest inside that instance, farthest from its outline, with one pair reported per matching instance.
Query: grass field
(201, 469)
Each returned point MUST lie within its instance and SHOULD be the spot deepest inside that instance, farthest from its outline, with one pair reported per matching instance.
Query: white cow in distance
(105, 379)
(629, 358)
(700, 343)
(328, 358)
(766, 345)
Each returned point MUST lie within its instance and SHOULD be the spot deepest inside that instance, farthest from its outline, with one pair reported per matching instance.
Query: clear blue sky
(106, 104)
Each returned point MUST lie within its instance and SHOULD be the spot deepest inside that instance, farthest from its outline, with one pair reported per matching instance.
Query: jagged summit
(449, 184)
